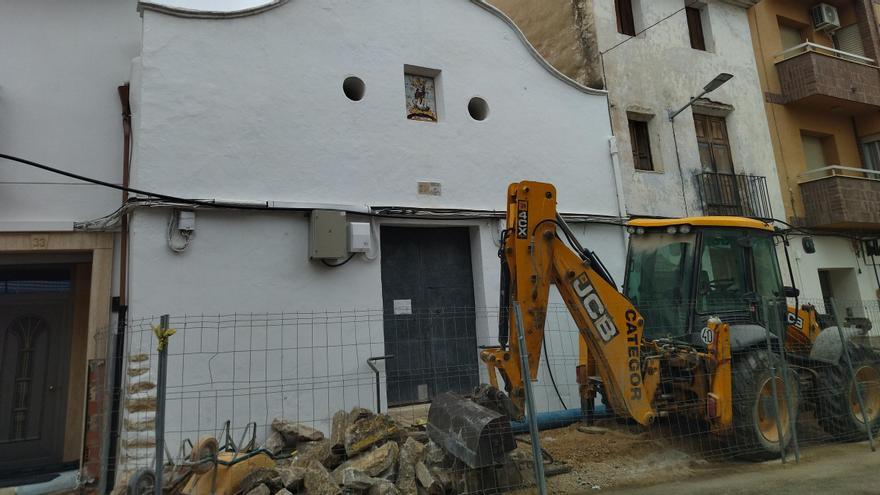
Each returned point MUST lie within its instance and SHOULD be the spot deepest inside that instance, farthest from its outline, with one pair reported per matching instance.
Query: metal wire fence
(347, 401)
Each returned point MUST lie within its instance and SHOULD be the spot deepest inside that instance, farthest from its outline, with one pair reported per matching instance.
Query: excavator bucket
(477, 435)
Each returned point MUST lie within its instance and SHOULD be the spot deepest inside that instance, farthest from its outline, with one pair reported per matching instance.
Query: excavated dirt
(616, 458)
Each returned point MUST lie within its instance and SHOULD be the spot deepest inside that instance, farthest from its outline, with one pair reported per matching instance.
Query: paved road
(823, 470)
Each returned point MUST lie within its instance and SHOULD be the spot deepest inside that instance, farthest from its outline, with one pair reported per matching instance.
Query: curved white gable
(251, 108)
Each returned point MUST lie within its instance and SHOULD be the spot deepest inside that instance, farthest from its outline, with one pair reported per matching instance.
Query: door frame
(67, 246)
(485, 291)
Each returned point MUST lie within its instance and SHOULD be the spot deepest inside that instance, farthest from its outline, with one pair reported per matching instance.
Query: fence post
(162, 335)
(530, 403)
(775, 400)
(792, 413)
(852, 373)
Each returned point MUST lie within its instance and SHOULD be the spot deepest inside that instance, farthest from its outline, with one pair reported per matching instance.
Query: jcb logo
(797, 321)
(522, 219)
(595, 309)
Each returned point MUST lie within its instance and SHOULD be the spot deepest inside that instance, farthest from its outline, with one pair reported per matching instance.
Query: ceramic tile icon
(420, 98)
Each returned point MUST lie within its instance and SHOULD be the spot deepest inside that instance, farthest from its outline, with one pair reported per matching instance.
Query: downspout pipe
(116, 344)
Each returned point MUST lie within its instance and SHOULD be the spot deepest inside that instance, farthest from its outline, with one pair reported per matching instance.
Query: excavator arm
(533, 258)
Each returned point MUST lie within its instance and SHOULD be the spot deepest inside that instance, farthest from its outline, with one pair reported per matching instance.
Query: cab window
(658, 281)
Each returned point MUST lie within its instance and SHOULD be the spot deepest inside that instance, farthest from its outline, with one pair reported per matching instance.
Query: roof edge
(208, 14)
(534, 52)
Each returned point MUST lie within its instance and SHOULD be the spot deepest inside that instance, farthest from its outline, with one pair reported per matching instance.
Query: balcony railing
(813, 47)
(734, 195)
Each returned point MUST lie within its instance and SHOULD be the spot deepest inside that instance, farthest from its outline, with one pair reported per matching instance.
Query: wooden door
(713, 144)
(34, 355)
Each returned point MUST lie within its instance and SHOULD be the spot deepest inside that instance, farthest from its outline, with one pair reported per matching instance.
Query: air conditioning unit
(825, 17)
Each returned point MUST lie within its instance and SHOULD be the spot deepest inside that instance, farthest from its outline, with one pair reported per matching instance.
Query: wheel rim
(766, 413)
(868, 379)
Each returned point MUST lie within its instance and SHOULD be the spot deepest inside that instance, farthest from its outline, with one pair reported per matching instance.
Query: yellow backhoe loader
(700, 330)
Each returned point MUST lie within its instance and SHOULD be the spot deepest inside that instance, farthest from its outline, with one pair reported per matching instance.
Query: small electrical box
(359, 238)
(328, 236)
(186, 220)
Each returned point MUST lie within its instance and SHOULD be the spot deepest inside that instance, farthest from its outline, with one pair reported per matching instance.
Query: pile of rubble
(372, 454)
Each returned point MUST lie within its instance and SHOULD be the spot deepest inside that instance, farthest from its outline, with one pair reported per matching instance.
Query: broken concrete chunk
(358, 480)
(373, 463)
(295, 432)
(283, 491)
(383, 487)
(357, 414)
(367, 432)
(411, 453)
(435, 455)
(337, 431)
(275, 443)
(321, 451)
(318, 480)
(293, 478)
(260, 489)
(265, 476)
(427, 480)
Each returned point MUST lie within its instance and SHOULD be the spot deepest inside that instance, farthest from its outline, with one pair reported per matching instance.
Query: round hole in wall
(354, 88)
(478, 108)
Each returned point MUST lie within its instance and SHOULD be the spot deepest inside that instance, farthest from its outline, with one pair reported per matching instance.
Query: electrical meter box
(328, 235)
(359, 238)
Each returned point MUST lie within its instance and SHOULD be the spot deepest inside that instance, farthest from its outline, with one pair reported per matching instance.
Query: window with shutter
(814, 152)
(713, 144)
(871, 152)
(641, 145)
(849, 39)
(626, 23)
(790, 36)
(695, 28)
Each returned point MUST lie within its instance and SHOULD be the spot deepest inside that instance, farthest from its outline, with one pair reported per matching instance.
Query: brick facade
(842, 200)
(812, 74)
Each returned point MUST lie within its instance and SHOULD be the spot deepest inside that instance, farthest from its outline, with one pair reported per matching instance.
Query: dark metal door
(429, 322)
(34, 355)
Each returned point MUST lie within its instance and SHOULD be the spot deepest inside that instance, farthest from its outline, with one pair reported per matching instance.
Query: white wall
(658, 71)
(252, 109)
(62, 63)
(853, 278)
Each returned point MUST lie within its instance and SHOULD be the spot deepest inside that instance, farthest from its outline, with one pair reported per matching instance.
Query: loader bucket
(475, 434)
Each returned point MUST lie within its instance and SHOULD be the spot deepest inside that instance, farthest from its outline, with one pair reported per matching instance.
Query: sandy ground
(623, 461)
(615, 458)
(850, 469)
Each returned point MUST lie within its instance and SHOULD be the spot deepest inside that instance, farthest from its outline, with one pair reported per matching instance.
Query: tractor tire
(755, 433)
(837, 406)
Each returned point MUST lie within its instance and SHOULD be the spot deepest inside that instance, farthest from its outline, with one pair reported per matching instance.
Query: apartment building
(818, 66)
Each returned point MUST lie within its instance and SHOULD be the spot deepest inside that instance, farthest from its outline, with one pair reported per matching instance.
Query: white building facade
(273, 113)
(62, 103)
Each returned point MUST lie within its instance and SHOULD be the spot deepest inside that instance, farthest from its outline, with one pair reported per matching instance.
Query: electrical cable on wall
(334, 265)
(153, 199)
(174, 234)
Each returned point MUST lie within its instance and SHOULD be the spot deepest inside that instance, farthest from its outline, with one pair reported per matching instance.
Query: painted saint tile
(420, 98)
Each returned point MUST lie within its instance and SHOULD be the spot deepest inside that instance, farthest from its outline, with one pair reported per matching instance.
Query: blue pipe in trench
(556, 419)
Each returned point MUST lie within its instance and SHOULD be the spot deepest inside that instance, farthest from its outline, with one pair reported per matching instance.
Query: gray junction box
(328, 235)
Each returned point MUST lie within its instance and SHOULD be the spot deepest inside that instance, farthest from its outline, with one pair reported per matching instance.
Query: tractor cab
(681, 272)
